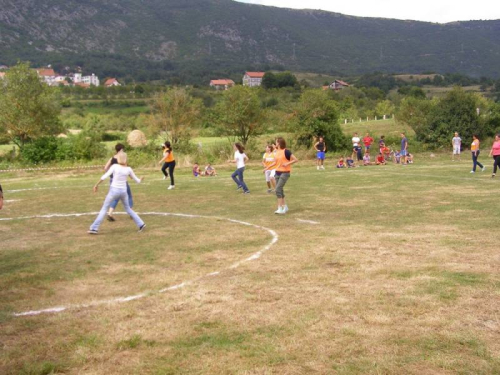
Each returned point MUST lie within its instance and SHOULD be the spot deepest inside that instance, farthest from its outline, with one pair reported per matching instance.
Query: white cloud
(424, 10)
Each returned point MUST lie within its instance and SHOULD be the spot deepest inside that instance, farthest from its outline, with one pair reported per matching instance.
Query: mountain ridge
(175, 37)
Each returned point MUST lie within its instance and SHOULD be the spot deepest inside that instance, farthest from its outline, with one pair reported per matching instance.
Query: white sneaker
(317, 167)
(323, 167)
(171, 187)
(285, 209)
(164, 177)
(483, 169)
(279, 211)
(472, 172)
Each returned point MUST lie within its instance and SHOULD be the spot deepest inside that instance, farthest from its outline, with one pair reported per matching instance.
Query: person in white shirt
(456, 142)
(239, 158)
(117, 190)
(356, 148)
(269, 158)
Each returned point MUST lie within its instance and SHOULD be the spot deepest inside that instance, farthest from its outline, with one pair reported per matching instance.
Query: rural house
(253, 79)
(338, 85)
(110, 82)
(221, 84)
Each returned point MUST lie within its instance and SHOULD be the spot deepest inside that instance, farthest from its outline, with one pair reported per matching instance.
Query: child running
(117, 190)
(269, 158)
(320, 148)
(283, 166)
(168, 161)
(239, 158)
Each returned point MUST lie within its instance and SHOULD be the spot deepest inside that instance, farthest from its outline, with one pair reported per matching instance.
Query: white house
(47, 75)
(110, 82)
(92, 80)
(221, 84)
(253, 79)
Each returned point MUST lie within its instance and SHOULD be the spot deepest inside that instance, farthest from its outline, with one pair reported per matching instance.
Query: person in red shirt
(367, 140)
(380, 159)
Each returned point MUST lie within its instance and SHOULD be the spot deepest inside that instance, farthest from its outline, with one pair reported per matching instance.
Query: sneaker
(171, 187)
(238, 188)
(493, 175)
(279, 210)
(472, 172)
(142, 228)
(164, 177)
(92, 231)
(246, 192)
(323, 167)
(269, 191)
(483, 169)
(111, 218)
(285, 209)
(317, 167)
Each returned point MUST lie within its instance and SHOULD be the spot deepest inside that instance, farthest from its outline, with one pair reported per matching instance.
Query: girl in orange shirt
(283, 166)
(474, 148)
(168, 161)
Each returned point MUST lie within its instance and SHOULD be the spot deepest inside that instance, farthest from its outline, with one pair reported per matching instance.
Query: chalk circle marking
(58, 309)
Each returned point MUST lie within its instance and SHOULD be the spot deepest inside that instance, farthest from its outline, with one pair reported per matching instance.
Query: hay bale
(137, 138)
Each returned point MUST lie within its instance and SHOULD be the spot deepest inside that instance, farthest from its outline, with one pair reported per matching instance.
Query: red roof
(255, 74)
(84, 85)
(222, 82)
(110, 81)
(46, 72)
(342, 82)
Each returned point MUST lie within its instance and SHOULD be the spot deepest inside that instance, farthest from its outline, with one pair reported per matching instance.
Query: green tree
(28, 107)
(385, 107)
(317, 115)
(416, 113)
(238, 114)
(174, 113)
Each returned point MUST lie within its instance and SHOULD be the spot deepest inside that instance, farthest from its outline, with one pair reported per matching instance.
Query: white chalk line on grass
(312, 222)
(117, 300)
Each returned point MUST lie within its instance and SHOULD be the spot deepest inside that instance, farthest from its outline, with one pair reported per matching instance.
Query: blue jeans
(238, 178)
(116, 194)
(475, 162)
(130, 200)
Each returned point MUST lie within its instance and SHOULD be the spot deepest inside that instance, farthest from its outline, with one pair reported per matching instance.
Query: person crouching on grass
(283, 167)
(117, 190)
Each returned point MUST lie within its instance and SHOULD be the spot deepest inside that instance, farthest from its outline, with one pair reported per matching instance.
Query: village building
(110, 82)
(338, 85)
(253, 79)
(91, 80)
(47, 75)
(221, 84)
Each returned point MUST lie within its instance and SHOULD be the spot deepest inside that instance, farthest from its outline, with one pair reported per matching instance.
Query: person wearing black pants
(474, 147)
(168, 161)
(495, 152)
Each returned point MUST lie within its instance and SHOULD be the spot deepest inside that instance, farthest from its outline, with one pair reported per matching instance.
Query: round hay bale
(137, 138)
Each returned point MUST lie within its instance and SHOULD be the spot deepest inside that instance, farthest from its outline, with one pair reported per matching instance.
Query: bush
(42, 150)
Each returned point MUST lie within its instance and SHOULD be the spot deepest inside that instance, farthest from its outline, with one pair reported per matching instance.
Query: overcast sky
(424, 10)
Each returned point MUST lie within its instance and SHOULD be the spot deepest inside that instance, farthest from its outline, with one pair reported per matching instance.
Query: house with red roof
(338, 85)
(47, 75)
(253, 79)
(110, 82)
(221, 84)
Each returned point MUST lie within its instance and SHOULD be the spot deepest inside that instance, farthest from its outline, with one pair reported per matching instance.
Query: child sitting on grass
(341, 164)
(380, 159)
(350, 162)
(196, 170)
(366, 159)
(397, 157)
(209, 171)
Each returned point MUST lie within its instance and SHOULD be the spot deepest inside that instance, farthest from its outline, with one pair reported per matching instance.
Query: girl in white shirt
(239, 158)
(117, 190)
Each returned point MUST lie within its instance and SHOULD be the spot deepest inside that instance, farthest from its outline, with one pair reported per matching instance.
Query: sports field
(375, 270)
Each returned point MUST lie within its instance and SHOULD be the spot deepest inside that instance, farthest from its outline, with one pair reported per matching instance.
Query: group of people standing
(475, 149)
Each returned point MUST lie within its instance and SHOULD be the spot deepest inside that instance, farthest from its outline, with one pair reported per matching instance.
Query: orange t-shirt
(170, 157)
(281, 160)
(475, 145)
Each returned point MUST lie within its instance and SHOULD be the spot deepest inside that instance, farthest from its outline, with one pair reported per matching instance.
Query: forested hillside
(194, 40)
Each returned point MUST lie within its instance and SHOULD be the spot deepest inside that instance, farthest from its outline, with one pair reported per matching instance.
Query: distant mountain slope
(164, 37)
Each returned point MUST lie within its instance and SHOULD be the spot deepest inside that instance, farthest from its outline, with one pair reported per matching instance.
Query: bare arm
(134, 177)
(293, 160)
(164, 158)
(108, 164)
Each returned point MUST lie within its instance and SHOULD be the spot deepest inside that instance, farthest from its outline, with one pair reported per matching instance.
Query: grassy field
(377, 270)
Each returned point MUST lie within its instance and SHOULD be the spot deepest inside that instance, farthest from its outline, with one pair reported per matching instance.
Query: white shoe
(171, 187)
(164, 177)
(472, 172)
(323, 167)
(317, 167)
(279, 211)
(483, 169)
(285, 209)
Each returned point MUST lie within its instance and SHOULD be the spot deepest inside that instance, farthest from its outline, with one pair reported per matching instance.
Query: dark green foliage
(317, 115)
(279, 80)
(412, 91)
